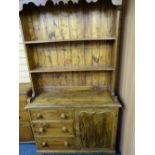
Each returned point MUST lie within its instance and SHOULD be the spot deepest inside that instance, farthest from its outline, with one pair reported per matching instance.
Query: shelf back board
(74, 21)
(95, 53)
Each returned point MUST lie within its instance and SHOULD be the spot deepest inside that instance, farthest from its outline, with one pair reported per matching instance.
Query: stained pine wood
(53, 129)
(72, 69)
(47, 81)
(52, 114)
(93, 49)
(72, 53)
(74, 97)
(24, 116)
(94, 124)
(25, 131)
(55, 143)
(70, 40)
(35, 20)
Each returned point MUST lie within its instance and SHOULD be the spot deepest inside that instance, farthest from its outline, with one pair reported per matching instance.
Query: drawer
(55, 143)
(55, 128)
(23, 116)
(25, 132)
(58, 114)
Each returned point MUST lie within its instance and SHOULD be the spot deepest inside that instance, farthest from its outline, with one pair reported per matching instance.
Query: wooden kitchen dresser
(72, 52)
(25, 130)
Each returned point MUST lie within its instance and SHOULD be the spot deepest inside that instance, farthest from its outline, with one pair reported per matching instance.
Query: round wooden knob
(44, 144)
(39, 116)
(64, 129)
(45, 125)
(63, 116)
(41, 130)
(66, 144)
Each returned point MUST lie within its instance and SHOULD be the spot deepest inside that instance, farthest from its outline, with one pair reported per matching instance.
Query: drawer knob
(44, 144)
(66, 144)
(64, 129)
(41, 130)
(39, 116)
(63, 116)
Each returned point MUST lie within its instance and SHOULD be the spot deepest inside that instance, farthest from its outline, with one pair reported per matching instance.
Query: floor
(30, 149)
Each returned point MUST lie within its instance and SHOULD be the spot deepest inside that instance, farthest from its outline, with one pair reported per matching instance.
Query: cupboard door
(97, 128)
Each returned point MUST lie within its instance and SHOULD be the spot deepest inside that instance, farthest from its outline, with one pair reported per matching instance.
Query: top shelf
(70, 40)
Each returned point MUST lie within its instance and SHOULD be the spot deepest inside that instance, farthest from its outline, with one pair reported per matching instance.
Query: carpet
(30, 149)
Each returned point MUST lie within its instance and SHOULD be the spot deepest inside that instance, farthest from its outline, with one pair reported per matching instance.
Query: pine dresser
(72, 52)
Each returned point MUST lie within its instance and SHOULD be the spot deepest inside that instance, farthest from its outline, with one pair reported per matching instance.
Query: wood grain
(64, 24)
(72, 53)
(25, 131)
(93, 124)
(53, 129)
(52, 114)
(55, 143)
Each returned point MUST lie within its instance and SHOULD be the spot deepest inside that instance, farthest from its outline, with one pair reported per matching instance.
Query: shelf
(72, 96)
(70, 40)
(72, 69)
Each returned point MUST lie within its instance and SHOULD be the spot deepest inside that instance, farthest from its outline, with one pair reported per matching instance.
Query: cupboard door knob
(44, 144)
(66, 144)
(64, 129)
(63, 116)
(39, 116)
(41, 130)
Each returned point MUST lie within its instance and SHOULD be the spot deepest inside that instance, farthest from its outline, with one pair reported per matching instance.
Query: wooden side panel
(49, 80)
(97, 128)
(24, 116)
(25, 132)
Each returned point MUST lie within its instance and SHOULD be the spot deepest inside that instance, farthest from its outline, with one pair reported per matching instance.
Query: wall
(23, 69)
(126, 82)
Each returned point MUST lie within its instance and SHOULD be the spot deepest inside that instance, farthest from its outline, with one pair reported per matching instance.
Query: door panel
(97, 128)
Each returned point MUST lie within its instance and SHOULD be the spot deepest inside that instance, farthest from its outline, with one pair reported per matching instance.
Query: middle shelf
(71, 69)
(70, 40)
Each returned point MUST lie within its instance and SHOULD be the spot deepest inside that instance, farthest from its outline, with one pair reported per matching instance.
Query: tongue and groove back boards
(73, 38)
(72, 21)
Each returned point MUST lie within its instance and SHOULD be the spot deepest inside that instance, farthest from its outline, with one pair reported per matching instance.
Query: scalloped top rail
(56, 2)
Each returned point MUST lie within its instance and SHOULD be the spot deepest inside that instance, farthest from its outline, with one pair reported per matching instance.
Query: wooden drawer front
(25, 132)
(52, 115)
(55, 143)
(55, 128)
(23, 116)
